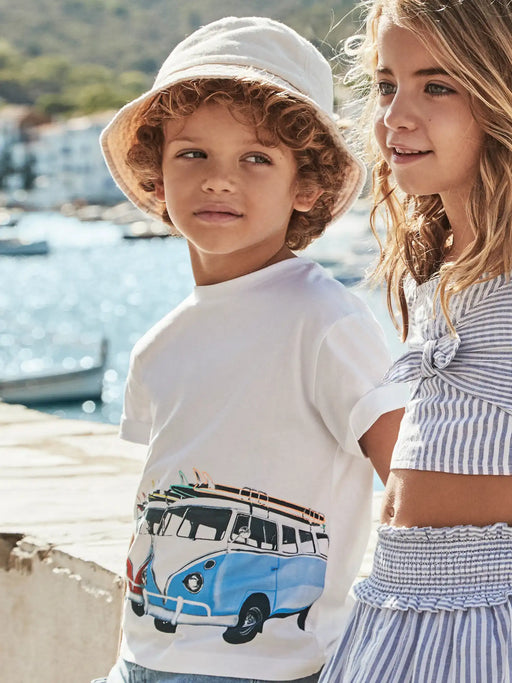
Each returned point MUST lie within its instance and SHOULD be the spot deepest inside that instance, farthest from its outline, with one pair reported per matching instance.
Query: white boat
(7, 220)
(57, 386)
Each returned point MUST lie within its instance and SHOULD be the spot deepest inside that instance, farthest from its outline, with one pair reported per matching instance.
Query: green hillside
(69, 56)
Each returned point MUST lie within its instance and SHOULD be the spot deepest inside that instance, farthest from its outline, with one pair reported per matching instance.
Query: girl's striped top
(459, 417)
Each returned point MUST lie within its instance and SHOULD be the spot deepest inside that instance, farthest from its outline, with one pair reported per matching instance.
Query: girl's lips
(400, 155)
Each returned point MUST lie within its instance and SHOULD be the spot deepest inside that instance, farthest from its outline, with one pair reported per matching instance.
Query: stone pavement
(72, 483)
(68, 482)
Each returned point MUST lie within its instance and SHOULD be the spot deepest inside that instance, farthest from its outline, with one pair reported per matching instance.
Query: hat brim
(120, 134)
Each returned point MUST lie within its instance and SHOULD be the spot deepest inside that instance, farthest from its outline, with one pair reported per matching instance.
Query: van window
(195, 522)
(289, 540)
(204, 523)
(150, 520)
(171, 520)
(306, 541)
(259, 533)
(322, 541)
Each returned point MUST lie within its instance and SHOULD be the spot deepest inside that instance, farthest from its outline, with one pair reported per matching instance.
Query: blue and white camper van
(228, 563)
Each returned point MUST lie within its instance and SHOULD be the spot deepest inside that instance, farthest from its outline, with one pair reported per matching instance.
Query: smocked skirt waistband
(429, 569)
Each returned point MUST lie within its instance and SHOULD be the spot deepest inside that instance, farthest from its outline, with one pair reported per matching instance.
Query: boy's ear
(159, 191)
(306, 199)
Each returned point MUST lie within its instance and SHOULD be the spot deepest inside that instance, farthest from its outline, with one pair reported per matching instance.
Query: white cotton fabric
(266, 381)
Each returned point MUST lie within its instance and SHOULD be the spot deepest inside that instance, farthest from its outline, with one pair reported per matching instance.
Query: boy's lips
(217, 213)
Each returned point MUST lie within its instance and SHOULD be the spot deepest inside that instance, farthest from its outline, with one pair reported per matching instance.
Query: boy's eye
(438, 89)
(192, 154)
(385, 88)
(258, 159)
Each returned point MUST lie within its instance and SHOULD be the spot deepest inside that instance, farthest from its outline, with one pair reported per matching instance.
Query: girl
(438, 604)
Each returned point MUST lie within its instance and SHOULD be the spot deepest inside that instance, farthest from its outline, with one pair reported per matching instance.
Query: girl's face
(424, 124)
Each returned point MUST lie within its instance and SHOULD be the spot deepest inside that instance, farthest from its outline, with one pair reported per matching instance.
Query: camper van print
(225, 556)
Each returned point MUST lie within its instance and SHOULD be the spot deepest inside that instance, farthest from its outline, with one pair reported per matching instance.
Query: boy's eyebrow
(198, 140)
(185, 138)
(430, 71)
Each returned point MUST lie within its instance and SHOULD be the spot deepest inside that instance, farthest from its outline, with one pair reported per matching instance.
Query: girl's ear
(306, 199)
(159, 191)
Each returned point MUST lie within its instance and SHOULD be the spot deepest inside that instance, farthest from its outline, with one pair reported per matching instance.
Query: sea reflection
(93, 284)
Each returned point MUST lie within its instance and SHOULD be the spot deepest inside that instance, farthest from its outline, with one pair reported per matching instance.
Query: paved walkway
(72, 483)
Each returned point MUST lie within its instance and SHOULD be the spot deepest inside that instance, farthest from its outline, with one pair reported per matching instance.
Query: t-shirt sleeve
(136, 419)
(352, 361)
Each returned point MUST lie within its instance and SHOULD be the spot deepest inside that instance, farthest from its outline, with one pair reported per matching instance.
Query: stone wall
(59, 615)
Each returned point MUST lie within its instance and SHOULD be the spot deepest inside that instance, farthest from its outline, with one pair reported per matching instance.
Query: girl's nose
(399, 114)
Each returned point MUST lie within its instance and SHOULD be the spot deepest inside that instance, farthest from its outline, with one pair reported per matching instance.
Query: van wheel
(250, 621)
(137, 608)
(301, 619)
(164, 626)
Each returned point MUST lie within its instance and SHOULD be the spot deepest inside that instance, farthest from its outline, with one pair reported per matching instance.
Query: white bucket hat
(254, 48)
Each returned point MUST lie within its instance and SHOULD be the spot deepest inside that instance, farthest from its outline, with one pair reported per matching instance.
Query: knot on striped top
(478, 359)
(438, 354)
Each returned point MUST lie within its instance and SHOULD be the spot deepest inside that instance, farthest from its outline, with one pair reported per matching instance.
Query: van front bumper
(179, 614)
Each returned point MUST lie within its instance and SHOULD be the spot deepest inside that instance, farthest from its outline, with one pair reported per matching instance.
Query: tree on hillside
(76, 56)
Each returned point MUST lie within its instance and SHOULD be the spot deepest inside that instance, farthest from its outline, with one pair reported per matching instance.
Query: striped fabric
(408, 625)
(427, 569)
(459, 418)
(437, 607)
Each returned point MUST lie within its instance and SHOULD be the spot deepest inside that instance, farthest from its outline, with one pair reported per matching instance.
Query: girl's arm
(378, 442)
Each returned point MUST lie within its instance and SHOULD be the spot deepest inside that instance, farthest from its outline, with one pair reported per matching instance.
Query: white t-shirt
(253, 510)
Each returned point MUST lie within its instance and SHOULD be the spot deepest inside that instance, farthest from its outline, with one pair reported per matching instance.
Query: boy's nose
(218, 178)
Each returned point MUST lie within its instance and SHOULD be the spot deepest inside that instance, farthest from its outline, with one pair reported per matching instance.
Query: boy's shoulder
(317, 290)
(160, 331)
(298, 292)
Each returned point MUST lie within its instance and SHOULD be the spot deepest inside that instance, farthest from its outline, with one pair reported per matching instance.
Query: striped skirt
(437, 608)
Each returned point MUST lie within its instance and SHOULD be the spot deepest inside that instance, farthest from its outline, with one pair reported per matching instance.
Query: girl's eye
(258, 159)
(192, 154)
(438, 89)
(385, 88)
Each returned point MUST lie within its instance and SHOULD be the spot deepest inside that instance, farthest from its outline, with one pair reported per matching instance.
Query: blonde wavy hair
(472, 40)
(277, 118)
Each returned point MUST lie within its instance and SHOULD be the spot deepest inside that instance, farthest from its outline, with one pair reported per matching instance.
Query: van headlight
(193, 582)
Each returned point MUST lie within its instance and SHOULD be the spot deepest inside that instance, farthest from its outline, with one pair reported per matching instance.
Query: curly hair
(472, 40)
(277, 118)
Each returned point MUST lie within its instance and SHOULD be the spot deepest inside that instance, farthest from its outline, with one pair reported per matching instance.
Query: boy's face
(229, 195)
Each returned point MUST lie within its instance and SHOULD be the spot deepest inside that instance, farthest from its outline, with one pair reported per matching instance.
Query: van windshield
(150, 521)
(206, 523)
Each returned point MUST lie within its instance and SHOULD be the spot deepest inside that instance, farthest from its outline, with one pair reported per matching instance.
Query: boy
(259, 395)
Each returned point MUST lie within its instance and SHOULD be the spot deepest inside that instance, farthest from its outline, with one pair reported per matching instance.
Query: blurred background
(82, 274)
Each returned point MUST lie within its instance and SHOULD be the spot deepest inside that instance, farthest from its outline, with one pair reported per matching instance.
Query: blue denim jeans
(126, 672)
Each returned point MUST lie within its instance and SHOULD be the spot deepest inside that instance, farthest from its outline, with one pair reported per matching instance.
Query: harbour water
(55, 308)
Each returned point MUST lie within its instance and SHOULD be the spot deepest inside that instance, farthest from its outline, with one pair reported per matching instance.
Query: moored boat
(12, 246)
(59, 385)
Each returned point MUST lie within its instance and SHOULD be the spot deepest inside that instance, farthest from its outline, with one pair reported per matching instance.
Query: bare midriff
(416, 498)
